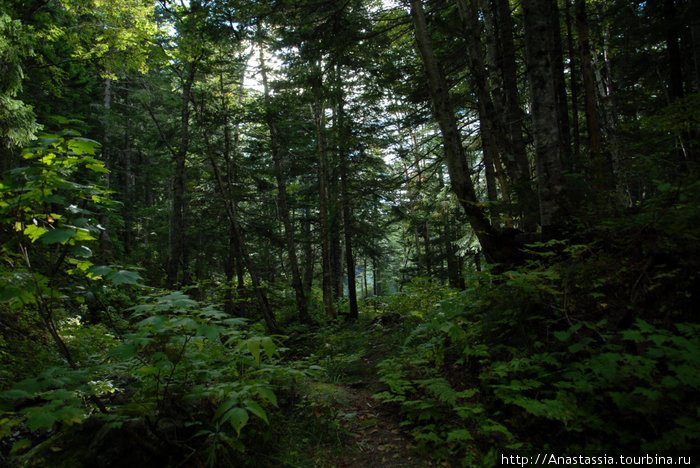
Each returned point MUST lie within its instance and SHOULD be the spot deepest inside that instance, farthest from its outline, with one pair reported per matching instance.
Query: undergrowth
(589, 348)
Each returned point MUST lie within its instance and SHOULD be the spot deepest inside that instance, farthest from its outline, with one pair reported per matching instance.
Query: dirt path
(376, 435)
(376, 438)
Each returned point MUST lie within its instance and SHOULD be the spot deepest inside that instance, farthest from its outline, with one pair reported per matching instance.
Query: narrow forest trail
(378, 438)
(375, 436)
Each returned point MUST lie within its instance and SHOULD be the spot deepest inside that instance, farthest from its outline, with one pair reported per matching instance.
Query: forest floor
(369, 432)
(380, 441)
(378, 438)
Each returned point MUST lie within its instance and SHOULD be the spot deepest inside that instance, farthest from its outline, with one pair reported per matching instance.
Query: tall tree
(544, 67)
(324, 221)
(302, 303)
(452, 141)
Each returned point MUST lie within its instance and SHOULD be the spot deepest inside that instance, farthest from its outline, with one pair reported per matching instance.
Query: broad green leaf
(81, 251)
(7, 292)
(581, 345)
(267, 394)
(71, 415)
(82, 235)
(124, 277)
(20, 446)
(176, 300)
(632, 335)
(83, 145)
(99, 270)
(15, 394)
(238, 418)
(253, 345)
(225, 406)
(235, 321)
(73, 209)
(123, 351)
(97, 168)
(212, 312)
(59, 394)
(57, 236)
(148, 370)
(269, 346)
(80, 222)
(211, 332)
(156, 321)
(565, 335)
(34, 232)
(41, 417)
(256, 409)
(185, 322)
(83, 266)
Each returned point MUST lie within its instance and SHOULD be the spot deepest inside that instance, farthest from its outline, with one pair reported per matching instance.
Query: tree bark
(308, 251)
(176, 262)
(547, 130)
(232, 213)
(489, 127)
(105, 239)
(343, 136)
(335, 235)
(347, 230)
(601, 170)
(323, 207)
(673, 50)
(229, 270)
(573, 85)
(302, 303)
(451, 257)
(510, 117)
(454, 152)
(128, 179)
(376, 278)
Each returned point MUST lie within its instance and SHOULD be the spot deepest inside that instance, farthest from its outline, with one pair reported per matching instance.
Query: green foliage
(173, 360)
(508, 365)
(416, 298)
(180, 361)
(17, 120)
(51, 204)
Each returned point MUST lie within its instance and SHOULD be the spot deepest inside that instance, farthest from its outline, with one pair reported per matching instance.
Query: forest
(349, 233)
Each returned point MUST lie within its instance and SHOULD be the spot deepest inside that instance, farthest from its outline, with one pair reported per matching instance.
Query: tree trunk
(511, 116)
(128, 180)
(105, 239)
(335, 235)
(229, 270)
(176, 262)
(308, 251)
(347, 229)
(557, 50)
(549, 144)
(489, 127)
(376, 278)
(323, 207)
(573, 84)
(342, 132)
(673, 50)
(302, 303)
(452, 263)
(695, 41)
(601, 169)
(364, 277)
(426, 245)
(454, 152)
(232, 213)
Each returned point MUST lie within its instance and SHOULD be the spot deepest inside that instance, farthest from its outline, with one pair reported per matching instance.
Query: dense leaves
(224, 225)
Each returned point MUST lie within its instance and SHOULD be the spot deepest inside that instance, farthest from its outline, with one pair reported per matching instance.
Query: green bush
(510, 365)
